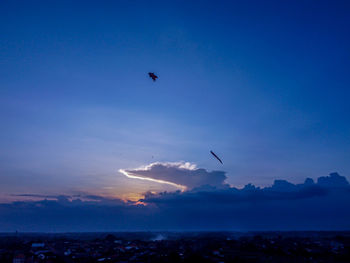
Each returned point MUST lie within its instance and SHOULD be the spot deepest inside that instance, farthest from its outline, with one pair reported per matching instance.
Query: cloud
(43, 196)
(280, 190)
(231, 196)
(183, 175)
(333, 180)
(75, 199)
(76, 215)
(283, 206)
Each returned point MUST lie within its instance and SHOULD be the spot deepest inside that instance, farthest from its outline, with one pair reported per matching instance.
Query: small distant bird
(216, 156)
(152, 76)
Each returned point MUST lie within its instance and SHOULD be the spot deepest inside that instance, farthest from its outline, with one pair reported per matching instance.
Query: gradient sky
(264, 84)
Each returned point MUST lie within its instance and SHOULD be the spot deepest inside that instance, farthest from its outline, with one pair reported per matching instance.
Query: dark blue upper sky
(264, 84)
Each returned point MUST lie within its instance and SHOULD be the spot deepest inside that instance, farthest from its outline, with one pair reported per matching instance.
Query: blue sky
(264, 84)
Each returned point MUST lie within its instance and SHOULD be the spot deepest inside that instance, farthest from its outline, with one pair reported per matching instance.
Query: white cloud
(183, 175)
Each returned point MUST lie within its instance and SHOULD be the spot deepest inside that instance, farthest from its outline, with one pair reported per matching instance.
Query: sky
(263, 84)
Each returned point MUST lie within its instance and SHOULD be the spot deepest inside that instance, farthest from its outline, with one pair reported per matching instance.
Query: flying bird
(216, 157)
(152, 76)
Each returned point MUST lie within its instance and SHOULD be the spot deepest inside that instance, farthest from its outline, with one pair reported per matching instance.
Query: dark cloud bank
(321, 205)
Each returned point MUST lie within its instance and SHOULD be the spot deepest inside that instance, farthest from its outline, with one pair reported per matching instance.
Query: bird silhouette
(152, 76)
(216, 157)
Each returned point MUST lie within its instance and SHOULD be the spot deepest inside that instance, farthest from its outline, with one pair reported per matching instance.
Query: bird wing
(216, 157)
